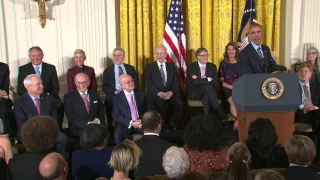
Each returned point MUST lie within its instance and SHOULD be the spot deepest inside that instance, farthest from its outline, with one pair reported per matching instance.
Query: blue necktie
(259, 52)
(38, 70)
(162, 75)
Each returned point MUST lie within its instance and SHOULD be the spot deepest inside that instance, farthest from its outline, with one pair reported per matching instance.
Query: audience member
(128, 107)
(175, 162)
(268, 174)
(92, 160)
(152, 146)
(229, 70)
(6, 113)
(48, 75)
(39, 136)
(256, 58)
(205, 144)
(34, 103)
(308, 111)
(203, 82)
(262, 143)
(5, 156)
(53, 166)
(163, 89)
(83, 106)
(312, 58)
(111, 84)
(79, 57)
(301, 151)
(124, 158)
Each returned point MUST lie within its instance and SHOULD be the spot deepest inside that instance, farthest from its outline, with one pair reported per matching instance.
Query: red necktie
(38, 105)
(86, 102)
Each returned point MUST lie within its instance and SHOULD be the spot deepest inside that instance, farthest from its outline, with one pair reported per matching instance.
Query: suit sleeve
(136, 78)
(21, 88)
(53, 108)
(105, 85)
(175, 85)
(117, 113)
(70, 81)
(245, 64)
(19, 113)
(55, 83)
(152, 89)
(215, 80)
(71, 114)
(3, 169)
(101, 111)
(93, 81)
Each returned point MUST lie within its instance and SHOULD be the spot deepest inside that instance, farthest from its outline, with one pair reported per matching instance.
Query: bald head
(126, 82)
(53, 166)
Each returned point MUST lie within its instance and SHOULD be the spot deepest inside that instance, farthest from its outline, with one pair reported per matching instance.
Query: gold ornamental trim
(272, 88)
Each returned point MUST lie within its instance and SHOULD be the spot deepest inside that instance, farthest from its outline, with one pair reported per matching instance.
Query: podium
(272, 96)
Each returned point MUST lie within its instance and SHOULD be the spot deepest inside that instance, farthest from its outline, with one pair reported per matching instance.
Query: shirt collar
(33, 98)
(200, 65)
(86, 92)
(164, 63)
(126, 93)
(256, 46)
(152, 134)
(302, 84)
(292, 164)
(34, 66)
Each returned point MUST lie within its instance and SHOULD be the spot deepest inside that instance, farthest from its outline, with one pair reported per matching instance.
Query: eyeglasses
(128, 82)
(312, 53)
(81, 83)
(36, 56)
(204, 55)
(160, 54)
(117, 55)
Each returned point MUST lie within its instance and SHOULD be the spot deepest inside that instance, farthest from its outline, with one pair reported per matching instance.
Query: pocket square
(95, 101)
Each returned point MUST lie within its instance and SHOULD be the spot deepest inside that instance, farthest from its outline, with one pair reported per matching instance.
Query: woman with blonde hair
(268, 174)
(313, 59)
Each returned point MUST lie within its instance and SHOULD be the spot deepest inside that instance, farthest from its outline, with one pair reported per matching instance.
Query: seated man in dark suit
(48, 75)
(128, 107)
(6, 113)
(163, 89)
(256, 58)
(54, 166)
(152, 146)
(83, 106)
(111, 84)
(301, 151)
(39, 136)
(203, 82)
(35, 103)
(308, 111)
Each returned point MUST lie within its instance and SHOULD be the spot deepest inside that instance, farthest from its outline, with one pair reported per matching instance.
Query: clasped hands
(310, 107)
(165, 95)
(3, 94)
(137, 123)
(195, 77)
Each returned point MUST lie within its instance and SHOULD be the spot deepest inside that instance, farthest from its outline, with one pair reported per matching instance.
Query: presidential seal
(272, 88)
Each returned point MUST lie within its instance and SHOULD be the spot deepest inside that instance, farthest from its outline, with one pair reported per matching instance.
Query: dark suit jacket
(72, 72)
(298, 173)
(24, 108)
(3, 169)
(121, 109)
(154, 81)
(109, 83)
(26, 166)
(48, 76)
(250, 61)
(76, 112)
(4, 77)
(195, 86)
(315, 93)
(153, 149)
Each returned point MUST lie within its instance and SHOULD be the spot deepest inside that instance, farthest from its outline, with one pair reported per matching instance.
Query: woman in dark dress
(229, 71)
(313, 58)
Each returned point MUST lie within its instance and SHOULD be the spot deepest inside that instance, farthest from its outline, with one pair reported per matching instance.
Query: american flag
(174, 38)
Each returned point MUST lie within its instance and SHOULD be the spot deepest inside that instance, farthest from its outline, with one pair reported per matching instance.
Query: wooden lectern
(249, 97)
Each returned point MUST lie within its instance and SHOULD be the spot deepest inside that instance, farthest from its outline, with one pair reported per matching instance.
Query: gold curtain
(209, 23)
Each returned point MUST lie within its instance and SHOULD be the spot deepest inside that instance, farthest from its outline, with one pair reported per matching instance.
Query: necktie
(133, 109)
(38, 70)
(86, 102)
(203, 72)
(259, 52)
(162, 75)
(37, 105)
(307, 99)
(120, 71)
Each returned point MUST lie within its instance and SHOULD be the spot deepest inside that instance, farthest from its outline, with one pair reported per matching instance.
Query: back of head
(203, 132)
(268, 174)
(300, 150)
(175, 162)
(150, 121)
(94, 135)
(193, 176)
(53, 166)
(39, 134)
(125, 156)
(239, 159)
(262, 137)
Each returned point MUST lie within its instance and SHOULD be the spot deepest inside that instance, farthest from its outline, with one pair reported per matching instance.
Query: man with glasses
(111, 84)
(128, 107)
(203, 83)
(163, 89)
(83, 106)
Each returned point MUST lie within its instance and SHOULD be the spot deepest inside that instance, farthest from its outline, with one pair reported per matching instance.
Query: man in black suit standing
(163, 89)
(48, 75)
(152, 146)
(203, 83)
(111, 84)
(35, 103)
(256, 58)
(83, 106)
(6, 113)
(128, 107)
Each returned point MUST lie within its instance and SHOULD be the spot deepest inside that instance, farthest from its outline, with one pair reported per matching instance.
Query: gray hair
(81, 74)
(27, 80)
(175, 162)
(119, 49)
